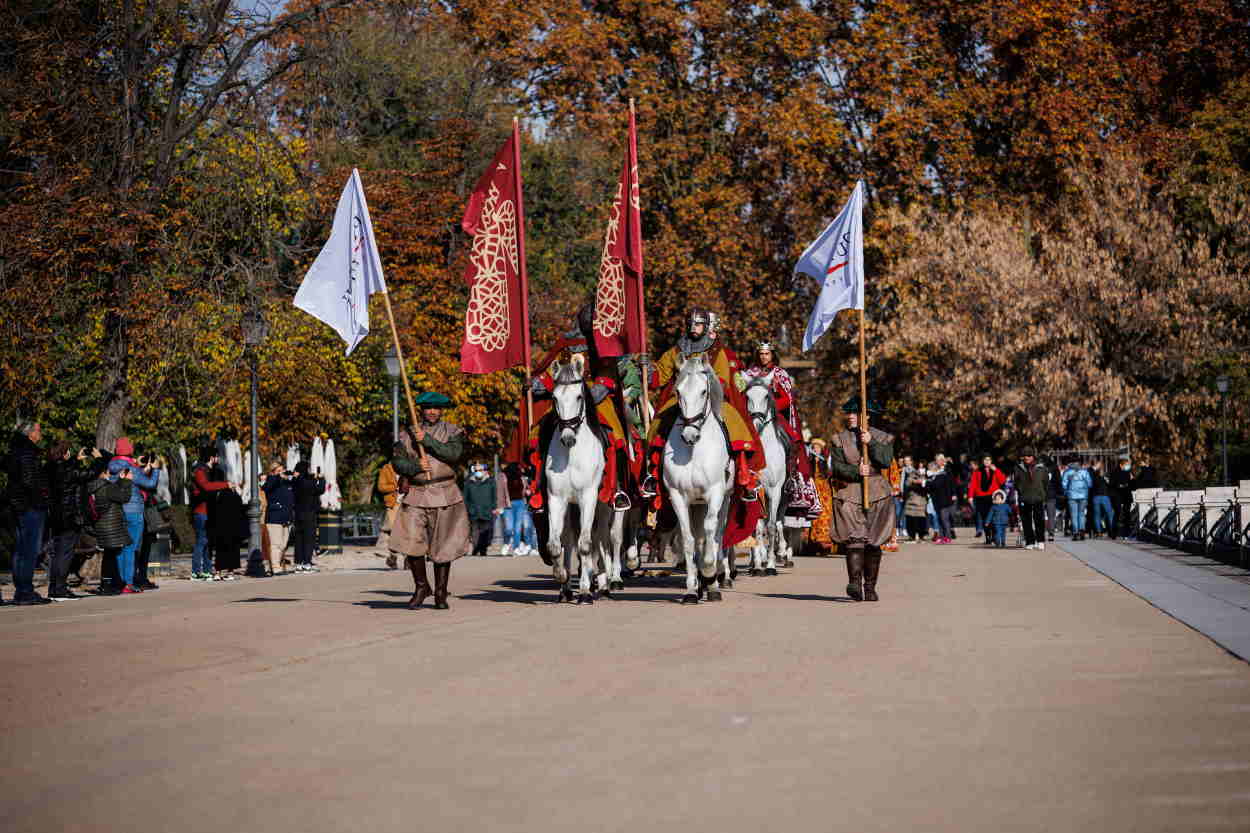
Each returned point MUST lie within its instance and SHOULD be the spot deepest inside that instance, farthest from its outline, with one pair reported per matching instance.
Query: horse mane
(782, 436)
(758, 382)
(698, 364)
(571, 373)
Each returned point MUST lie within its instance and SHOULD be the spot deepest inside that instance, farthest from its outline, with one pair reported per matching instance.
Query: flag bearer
(861, 531)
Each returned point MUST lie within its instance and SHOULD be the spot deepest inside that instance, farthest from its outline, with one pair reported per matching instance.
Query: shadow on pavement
(807, 597)
(404, 593)
(263, 599)
(535, 593)
(378, 604)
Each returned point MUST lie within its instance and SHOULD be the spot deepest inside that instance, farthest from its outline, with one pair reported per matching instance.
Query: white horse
(770, 539)
(699, 473)
(578, 523)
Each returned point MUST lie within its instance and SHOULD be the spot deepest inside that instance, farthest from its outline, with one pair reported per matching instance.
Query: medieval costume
(821, 524)
(861, 530)
(804, 502)
(603, 378)
(744, 442)
(432, 522)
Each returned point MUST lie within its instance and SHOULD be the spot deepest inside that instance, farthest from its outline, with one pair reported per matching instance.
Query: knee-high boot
(442, 573)
(855, 572)
(421, 579)
(872, 568)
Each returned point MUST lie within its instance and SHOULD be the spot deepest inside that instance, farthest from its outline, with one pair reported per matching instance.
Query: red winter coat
(977, 486)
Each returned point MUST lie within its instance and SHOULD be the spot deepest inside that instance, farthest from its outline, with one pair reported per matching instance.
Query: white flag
(836, 260)
(348, 270)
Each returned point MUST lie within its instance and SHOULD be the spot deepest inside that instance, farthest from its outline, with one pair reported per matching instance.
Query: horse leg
(556, 508)
(616, 541)
(710, 551)
(682, 510)
(586, 505)
(759, 551)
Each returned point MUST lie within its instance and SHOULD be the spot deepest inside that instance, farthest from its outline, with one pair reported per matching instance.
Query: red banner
(620, 318)
(496, 323)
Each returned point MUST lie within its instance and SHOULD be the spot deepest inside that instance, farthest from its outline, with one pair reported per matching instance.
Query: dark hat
(302, 467)
(430, 399)
(852, 407)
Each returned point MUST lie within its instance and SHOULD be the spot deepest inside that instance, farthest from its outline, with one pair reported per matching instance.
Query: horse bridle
(764, 417)
(573, 423)
(696, 422)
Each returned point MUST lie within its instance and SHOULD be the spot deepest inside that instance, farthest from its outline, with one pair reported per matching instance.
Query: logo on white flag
(347, 271)
(836, 259)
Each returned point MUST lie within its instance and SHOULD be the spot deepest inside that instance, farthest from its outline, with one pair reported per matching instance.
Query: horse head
(698, 394)
(569, 397)
(760, 403)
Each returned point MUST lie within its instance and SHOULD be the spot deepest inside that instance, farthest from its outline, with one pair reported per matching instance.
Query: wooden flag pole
(524, 276)
(403, 374)
(645, 402)
(863, 406)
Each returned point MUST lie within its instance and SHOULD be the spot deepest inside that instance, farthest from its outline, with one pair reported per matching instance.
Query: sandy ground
(990, 690)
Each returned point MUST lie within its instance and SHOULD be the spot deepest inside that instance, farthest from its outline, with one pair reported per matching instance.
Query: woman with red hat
(140, 473)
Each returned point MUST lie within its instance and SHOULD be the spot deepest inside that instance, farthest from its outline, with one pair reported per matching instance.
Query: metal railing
(362, 528)
(1227, 539)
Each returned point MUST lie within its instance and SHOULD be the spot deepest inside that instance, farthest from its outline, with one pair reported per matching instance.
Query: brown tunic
(850, 523)
(432, 521)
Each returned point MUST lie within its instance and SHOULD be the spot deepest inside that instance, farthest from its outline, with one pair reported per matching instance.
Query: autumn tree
(108, 106)
(1096, 326)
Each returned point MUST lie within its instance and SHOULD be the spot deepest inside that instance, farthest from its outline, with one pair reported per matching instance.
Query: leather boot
(442, 572)
(421, 579)
(855, 573)
(872, 568)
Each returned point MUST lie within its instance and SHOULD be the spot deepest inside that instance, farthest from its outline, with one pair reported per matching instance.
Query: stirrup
(648, 487)
(748, 494)
(621, 502)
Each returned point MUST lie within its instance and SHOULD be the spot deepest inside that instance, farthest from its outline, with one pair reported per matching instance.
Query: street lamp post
(255, 330)
(392, 369)
(1221, 384)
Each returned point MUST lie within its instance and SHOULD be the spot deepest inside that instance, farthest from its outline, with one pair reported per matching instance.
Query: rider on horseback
(700, 337)
(603, 379)
(781, 385)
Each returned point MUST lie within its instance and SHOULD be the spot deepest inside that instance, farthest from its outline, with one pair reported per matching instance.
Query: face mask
(1125, 467)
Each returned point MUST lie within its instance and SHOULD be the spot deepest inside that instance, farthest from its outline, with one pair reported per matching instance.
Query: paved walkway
(1214, 602)
(990, 690)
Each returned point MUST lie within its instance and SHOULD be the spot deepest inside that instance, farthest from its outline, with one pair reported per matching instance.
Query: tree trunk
(115, 392)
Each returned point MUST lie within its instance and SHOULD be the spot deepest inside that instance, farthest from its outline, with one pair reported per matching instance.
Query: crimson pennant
(620, 317)
(496, 323)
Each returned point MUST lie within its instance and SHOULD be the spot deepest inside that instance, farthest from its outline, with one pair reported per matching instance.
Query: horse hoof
(618, 585)
(587, 599)
(690, 599)
(771, 571)
(756, 573)
(725, 582)
(713, 596)
(566, 595)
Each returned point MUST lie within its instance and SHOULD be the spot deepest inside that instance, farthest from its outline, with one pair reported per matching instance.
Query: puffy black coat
(109, 497)
(1032, 482)
(28, 478)
(308, 492)
(66, 478)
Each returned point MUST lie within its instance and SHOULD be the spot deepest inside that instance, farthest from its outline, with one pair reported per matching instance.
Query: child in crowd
(915, 503)
(998, 518)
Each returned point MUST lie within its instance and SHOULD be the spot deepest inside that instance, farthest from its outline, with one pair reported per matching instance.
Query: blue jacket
(1077, 483)
(999, 515)
(280, 497)
(144, 482)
